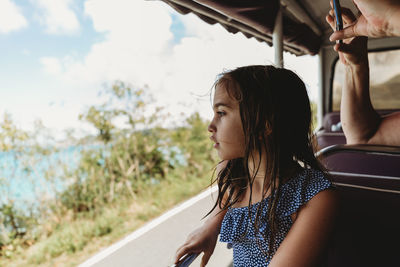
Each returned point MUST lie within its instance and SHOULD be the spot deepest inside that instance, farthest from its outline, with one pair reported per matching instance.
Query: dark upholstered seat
(330, 132)
(368, 226)
(325, 139)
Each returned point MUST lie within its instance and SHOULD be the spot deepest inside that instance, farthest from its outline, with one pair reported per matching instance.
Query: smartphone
(338, 15)
(186, 260)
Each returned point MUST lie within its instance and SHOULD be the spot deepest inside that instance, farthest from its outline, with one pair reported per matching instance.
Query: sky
(57, 55)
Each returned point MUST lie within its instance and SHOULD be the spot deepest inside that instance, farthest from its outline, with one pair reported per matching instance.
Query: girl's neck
(257, 171)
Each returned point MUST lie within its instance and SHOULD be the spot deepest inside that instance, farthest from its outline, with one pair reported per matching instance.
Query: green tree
(131, 150)
(193, 140)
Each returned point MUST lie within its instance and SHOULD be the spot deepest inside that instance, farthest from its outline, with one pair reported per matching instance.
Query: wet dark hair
(276, 116)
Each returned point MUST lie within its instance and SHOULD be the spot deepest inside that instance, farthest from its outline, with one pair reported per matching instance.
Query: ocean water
(23, 176)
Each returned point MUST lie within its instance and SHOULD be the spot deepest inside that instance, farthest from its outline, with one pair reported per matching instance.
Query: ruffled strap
(235, 226)
(296, 192)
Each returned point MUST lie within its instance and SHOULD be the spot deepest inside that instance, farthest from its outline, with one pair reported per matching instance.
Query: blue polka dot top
(246, 245)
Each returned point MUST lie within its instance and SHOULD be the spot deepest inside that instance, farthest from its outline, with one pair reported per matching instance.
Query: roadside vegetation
(85, 194)
(90, 192)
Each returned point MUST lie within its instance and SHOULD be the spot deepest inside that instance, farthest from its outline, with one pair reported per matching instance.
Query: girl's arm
(309, 236)
(204, 238)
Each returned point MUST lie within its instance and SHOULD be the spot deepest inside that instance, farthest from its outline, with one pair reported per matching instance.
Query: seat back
(331, 132)
(367, 230)
(325, 139)
(330, 120)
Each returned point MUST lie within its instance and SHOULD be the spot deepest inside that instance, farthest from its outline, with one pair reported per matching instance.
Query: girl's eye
(220, 113)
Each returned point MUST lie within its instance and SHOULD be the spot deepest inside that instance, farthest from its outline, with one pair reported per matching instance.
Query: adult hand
(377, 20)
(202, 239)
(353, 51)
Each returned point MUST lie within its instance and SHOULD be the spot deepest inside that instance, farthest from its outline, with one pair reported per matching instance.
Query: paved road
(154, 245)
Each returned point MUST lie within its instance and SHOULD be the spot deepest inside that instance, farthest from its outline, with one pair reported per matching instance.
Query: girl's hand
(353, 51)
(203, 239)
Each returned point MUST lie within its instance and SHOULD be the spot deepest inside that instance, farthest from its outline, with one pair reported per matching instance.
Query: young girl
(275, 204)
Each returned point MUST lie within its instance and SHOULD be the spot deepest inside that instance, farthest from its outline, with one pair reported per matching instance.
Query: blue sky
(57, 55)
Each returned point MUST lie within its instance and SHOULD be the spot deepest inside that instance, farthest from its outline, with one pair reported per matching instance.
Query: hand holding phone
(338, 15)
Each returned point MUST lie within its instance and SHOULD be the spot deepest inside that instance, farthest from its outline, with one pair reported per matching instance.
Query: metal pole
(277, 39)
(321, 93)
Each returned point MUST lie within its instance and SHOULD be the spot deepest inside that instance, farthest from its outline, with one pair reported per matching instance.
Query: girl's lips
(216, 144)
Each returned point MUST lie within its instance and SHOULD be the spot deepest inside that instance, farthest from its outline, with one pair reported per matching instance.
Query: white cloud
(11, 18)
(57, 16)
(51, 65)
(26, 52)
(138, 48)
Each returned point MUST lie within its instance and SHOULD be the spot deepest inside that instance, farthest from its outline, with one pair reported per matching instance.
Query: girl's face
(226, 126)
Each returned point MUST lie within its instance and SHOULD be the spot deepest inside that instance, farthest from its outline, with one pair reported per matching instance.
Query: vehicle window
(384, 80)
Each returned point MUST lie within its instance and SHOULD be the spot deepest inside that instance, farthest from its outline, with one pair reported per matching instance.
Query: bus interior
(366, 176)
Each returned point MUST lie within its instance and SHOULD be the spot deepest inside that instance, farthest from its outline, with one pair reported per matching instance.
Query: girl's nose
(211, 127)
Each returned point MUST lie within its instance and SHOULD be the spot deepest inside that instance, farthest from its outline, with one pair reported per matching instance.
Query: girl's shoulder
(306, 179)
(300, 189)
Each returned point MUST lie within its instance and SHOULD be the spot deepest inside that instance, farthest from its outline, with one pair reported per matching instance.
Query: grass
(75, 241)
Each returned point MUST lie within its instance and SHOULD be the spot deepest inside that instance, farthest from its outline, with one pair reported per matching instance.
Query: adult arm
(359, 119)
(379, 18)
(307, 240)
(361, 123)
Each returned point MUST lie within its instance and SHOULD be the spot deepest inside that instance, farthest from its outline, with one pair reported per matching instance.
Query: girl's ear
(268, 128)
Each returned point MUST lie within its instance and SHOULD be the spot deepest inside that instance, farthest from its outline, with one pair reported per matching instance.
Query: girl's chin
(222, 156)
